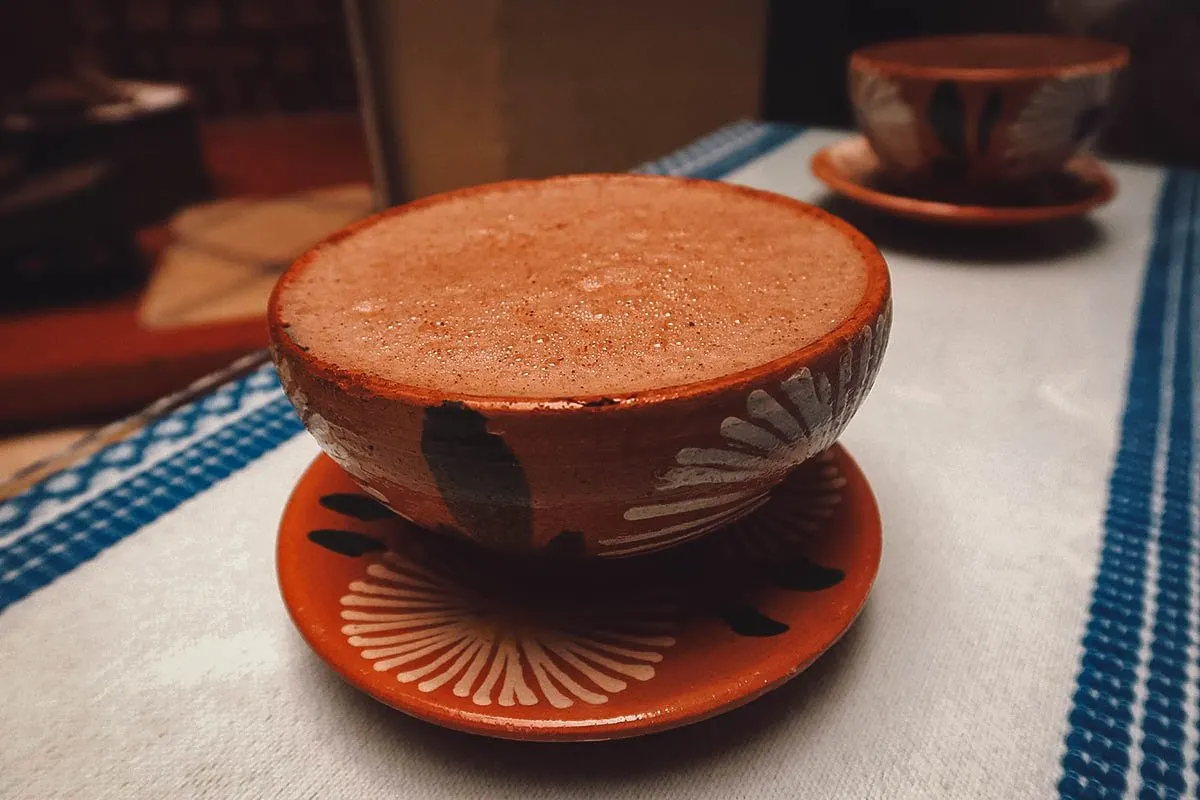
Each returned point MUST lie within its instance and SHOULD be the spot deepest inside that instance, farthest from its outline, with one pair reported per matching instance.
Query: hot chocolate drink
(577, 286)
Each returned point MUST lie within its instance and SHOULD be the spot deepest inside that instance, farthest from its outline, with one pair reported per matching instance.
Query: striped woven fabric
(1133, 728)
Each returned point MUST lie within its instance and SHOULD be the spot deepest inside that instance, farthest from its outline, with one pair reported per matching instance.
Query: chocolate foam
(580, 286)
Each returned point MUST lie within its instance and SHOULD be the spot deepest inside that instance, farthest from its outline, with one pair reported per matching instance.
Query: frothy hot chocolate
(579, 286)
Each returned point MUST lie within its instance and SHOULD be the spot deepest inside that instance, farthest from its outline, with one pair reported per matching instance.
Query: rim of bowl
(889, 58)
(876, 294)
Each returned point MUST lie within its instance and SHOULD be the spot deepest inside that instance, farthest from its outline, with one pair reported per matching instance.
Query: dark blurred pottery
(981, 109)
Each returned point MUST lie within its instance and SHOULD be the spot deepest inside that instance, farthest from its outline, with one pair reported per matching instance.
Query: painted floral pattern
(1059, 116)
(781, 529)
(428, 628)
(323, 431)
(779, 431)
(440, 618)
(890, 122)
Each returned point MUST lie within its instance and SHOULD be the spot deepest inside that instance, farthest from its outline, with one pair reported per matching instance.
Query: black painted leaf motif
(1088, 123)
(993, 105)
(947, 117)
(568, 544)
(359, 506)
(749, 621)
(346, 543)
(802, 575)
(478, 476)
(948, 168)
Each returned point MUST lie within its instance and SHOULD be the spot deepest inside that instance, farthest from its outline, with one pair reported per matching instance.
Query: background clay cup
(610, 475)
(983, 108)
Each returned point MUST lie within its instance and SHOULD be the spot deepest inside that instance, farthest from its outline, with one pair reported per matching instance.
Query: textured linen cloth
(1032, 630)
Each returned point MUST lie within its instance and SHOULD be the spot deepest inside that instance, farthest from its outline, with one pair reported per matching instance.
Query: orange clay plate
(852, 169)
(577, 649)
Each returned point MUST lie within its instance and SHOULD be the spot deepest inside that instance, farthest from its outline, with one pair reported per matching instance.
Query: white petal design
(814, 401)
(329, 437)
(378, 495)
(761, 406)
(683, 506)
(1046, 130)
(890, 122)
(678, 477)
(814, 493)
(475, 647)
(665, 538)
(711, 457)
(738, 431)
(778, 433)
(691, 525)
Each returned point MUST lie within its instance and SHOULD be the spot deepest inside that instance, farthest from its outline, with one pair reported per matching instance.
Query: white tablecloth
(166, 666)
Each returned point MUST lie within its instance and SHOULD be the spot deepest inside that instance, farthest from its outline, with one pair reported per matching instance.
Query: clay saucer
(851, 168)
(577, 649)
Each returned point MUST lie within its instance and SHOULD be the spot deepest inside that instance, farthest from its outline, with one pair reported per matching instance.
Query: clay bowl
(613, 475)
(981, 109)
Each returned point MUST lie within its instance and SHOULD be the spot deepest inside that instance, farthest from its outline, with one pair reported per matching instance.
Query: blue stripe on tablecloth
(1133, 720)
(56, 525)
(1163, 766)
(222, 400)
(82, 533)
(724, 151)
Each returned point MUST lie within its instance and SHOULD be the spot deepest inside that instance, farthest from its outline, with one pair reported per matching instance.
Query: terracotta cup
(612, 475)
(983, 108)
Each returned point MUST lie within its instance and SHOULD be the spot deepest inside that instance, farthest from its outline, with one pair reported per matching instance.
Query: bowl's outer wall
(601, 478)
(977, 131)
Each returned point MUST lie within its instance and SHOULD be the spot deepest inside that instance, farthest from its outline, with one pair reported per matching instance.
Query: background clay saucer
(577, 649)
(851, 168)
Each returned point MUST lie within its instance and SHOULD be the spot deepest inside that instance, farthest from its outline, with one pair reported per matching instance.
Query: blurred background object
(109, 303)
(469, 91)
(1155, 117)
(1158, 118)
(238, 57)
